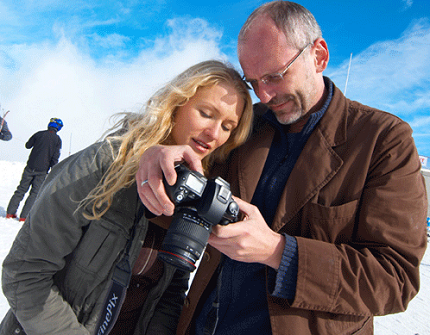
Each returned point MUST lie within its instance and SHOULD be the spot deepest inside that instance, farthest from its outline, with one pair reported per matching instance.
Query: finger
(167, 165)
(151, 205)
(158, 162)
(149, 179)
(193, 161)
(245, 208)
(140, 174)
(158, 195)
(170, 156)
(228, 231)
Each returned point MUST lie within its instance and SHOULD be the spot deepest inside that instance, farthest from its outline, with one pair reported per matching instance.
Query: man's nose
(264, 92)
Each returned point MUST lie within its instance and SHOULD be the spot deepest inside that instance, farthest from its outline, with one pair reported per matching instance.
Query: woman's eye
(227, 128)
(204, 114)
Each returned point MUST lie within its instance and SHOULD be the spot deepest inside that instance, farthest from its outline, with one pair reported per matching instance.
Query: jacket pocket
(86, 275)
(333, 224)
(99, 247)
(349, 325)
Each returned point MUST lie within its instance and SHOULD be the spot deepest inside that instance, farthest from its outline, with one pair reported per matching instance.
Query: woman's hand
(155, 162)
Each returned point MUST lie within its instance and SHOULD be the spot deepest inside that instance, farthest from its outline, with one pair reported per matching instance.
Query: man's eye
(253, 83)
(273, 78)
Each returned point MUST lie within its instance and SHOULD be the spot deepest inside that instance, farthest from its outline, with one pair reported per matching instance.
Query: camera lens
(185, 239)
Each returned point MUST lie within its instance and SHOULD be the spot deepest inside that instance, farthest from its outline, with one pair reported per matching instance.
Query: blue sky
(84, 60)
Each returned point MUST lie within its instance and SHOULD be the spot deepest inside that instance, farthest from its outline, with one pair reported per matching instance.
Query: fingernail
(168, 210)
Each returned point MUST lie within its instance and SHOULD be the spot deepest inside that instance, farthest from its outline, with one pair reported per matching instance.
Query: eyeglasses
(274, 78)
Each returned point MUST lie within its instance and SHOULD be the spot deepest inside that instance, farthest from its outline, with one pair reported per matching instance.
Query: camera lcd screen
(195, 184)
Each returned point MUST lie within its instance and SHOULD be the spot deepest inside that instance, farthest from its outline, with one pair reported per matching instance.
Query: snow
(414, 321)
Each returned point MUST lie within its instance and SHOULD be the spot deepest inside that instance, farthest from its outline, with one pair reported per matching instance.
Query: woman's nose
(213, 131)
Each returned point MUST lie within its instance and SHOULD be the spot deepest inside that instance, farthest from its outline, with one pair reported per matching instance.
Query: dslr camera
(200, 203)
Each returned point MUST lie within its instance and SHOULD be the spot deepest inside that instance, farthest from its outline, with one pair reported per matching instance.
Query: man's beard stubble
(293, 116)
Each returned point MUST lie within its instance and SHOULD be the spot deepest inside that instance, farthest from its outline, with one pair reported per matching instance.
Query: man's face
(265, 51)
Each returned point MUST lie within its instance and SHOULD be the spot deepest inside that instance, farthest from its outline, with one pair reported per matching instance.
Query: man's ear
(321, 55)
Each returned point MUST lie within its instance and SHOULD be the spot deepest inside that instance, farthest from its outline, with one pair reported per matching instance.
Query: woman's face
(207, 120)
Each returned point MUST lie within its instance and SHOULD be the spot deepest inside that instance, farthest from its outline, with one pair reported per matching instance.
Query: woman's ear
(321, 55)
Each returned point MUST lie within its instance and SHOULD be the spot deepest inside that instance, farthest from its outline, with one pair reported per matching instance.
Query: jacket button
(17, 331)
(187, 303)
(206, 256)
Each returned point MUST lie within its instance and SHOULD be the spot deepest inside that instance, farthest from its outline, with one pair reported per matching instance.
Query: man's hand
(155, 162)
(250, 240)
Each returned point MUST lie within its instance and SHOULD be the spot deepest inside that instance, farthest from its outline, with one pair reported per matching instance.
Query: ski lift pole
(347, 75)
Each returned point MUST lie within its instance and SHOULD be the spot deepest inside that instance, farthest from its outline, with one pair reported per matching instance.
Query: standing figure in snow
(5, 133)
(45, 148)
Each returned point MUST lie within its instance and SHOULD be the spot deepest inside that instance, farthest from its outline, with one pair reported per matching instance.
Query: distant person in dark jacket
(46, 146)
(5, 133)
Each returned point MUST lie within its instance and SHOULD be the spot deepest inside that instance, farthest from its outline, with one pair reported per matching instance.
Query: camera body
(200, 203)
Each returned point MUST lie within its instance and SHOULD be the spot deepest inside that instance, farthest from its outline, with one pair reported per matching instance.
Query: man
(5, 133)
(335, 230)
(45, 145)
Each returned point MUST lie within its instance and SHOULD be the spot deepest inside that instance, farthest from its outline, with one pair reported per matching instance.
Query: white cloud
(394, 76)
(111, 40)
(391, 75)
(407, 3)
(60, 79)
(423, 121)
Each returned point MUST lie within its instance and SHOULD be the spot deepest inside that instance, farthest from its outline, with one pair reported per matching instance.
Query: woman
(86, 226)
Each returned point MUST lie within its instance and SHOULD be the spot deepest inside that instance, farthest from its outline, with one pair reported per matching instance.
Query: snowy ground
(412, 322)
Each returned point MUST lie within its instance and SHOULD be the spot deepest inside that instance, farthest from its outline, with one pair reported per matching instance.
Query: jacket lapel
(316, 165)
(252, 158)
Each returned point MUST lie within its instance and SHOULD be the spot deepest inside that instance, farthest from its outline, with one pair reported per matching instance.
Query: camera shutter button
(233, 208)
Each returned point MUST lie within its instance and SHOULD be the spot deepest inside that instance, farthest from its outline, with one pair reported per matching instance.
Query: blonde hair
(139, 131)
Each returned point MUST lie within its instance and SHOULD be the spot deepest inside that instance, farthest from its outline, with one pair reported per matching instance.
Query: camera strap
(213, 315)
(119, 285)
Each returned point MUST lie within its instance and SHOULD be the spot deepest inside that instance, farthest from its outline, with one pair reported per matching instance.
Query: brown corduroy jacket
(356, 203)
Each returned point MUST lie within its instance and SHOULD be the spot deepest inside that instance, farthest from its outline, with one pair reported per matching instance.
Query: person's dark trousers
(29, 178)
